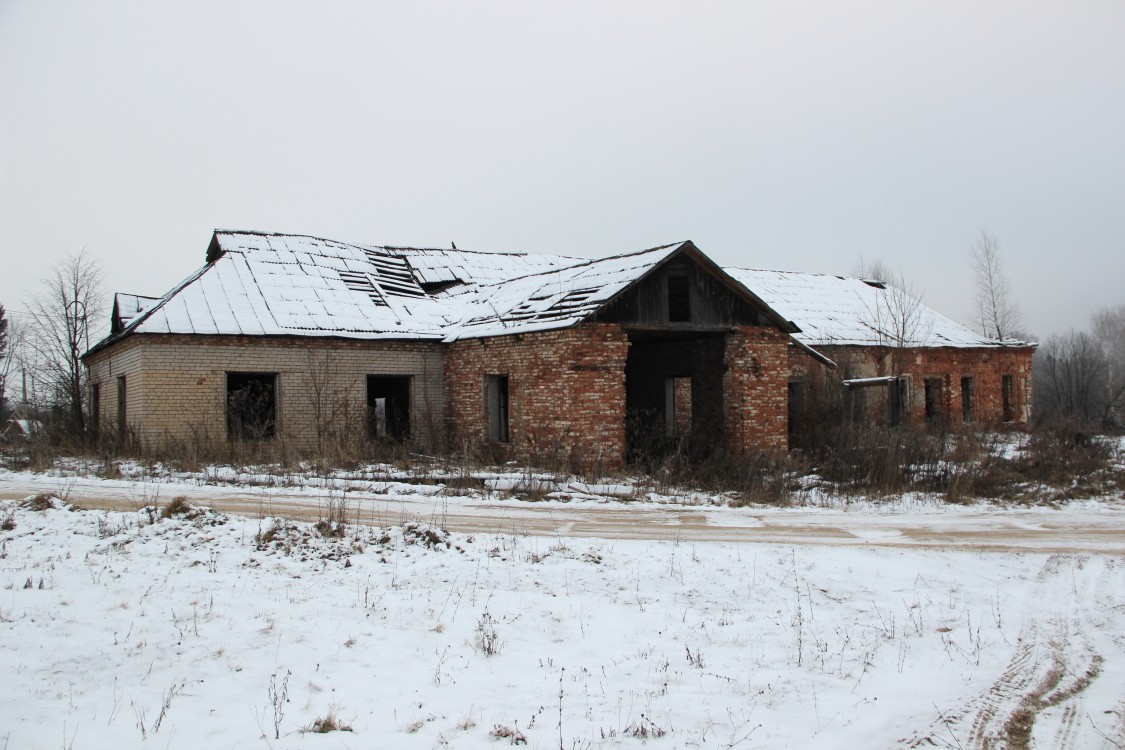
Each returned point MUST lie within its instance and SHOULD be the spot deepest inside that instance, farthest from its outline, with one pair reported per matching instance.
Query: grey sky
(788, 135)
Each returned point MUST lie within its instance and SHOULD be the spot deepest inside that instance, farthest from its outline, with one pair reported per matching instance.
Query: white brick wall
(176, 385)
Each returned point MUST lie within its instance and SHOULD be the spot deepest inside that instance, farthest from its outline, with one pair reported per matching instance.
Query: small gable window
(679, 299)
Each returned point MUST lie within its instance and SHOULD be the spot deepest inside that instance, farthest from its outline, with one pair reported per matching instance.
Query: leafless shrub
(335, 522)
(278, 692)
(695, 658)
(488, 638)
(879, 460)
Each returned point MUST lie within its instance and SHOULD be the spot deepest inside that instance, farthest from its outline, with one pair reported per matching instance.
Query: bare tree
(5, 358)
(61, 317)
(1109, 330)
(899, 319)
(1070, 372)
(997, 313)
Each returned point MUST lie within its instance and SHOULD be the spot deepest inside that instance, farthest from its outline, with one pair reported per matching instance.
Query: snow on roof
(128, 306)
(269, 284)
(275, 284)
(557, 298)
(841, 310)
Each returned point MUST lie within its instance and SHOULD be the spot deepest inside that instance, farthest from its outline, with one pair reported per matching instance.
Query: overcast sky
(786, 135)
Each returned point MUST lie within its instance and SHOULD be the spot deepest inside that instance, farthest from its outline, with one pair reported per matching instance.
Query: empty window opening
(968, 398)
(677, 407)
(251, 405)
(933, 399)
(496, 407)
(1008, 391)
(388, 406)
(679, 299)
(122, 413)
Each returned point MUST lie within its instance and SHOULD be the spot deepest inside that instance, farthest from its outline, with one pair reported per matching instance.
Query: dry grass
(330, 722)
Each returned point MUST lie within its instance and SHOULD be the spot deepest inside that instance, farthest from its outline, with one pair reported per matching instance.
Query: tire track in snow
(1041, 693)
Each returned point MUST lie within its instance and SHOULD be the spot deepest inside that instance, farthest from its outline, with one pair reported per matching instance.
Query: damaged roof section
(269, 284)
(261, 284)
(847, 311)
(126, 307)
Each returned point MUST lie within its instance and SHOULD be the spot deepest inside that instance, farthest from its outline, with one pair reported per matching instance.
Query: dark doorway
(1008, 388)
(251, 405)
(388, 407)
(968, 399)
(673, 393)
(933, 399)
(496, 407)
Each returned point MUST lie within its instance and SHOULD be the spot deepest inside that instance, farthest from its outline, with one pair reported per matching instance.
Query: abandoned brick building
(302, 340)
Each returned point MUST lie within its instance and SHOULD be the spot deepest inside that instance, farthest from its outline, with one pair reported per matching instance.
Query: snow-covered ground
(125, 629)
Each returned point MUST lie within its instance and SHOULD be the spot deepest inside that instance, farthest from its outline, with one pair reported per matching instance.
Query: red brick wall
(986, 366)
(756, 398)
(566, 392)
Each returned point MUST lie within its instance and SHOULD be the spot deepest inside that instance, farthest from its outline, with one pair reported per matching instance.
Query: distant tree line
(1080, 375)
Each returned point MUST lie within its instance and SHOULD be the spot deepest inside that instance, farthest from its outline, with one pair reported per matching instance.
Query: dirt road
(1100, 530)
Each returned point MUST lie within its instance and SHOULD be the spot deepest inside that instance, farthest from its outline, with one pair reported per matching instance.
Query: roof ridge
(582, 263)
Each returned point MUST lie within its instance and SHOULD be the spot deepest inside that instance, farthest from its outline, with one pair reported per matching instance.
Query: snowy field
(127, 629)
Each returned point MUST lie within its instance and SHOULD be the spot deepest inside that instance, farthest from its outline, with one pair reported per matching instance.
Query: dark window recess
(122, 413)
(968, 398)
(496, 407)
(933, 399)
(388, 406)
(1008, 390)
(679, 299)
(251, 405)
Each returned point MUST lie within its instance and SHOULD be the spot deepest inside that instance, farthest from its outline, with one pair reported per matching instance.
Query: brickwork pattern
(755, 386)
(176, 385)
(566, 392)
(986, 366)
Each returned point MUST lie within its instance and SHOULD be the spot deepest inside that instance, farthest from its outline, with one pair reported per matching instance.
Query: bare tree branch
(997, 314)
(898, 319)
(61, 318)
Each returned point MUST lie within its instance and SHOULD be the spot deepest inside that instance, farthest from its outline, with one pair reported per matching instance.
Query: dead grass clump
(644, 729)
(331, 529)
(758, 479)
(8, 522)
(330, 722)
(40, 503)
(425, 535)
(179, 506)
(514, 735)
